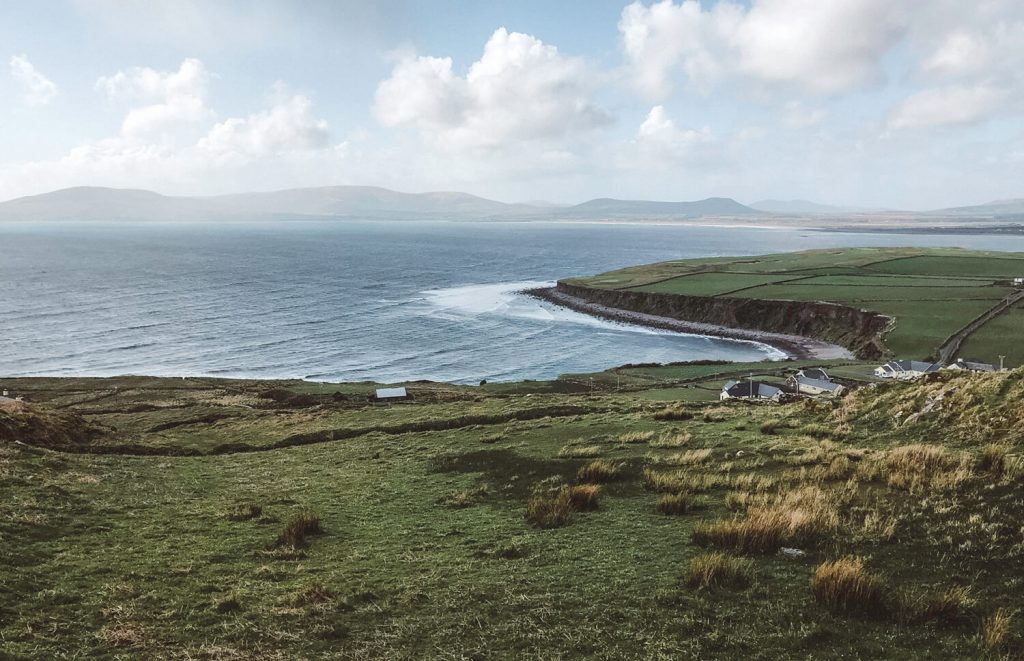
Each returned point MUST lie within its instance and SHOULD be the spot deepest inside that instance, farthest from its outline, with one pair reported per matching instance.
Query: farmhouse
(391, 394)
(749, 390)
(906, 370)
(971, 366)
(817, 373)
(806, 385)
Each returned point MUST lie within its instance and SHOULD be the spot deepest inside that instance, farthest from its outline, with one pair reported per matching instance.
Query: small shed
(391, 394)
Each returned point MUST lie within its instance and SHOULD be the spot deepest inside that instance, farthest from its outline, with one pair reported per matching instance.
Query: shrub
(549, 510)
(995, 629)
(675, 503)
(245, 512)
(599, 471)
(797, 518)
(584, 497)
(719, 569)
(845, 586)
(294, 534)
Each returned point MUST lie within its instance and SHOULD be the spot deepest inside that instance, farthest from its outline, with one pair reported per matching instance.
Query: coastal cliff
(860, 331)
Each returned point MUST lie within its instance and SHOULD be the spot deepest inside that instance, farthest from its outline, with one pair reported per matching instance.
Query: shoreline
(796, 347)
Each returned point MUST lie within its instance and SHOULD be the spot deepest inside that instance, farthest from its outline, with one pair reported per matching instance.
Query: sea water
(344, 300)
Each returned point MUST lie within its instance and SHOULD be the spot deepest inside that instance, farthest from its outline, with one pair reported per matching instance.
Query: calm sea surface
(349, 301)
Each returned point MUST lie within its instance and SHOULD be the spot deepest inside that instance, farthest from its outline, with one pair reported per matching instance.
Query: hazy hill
(87, 203)
(611, 208)
(795, 206)
(366, 202)
(995, 209)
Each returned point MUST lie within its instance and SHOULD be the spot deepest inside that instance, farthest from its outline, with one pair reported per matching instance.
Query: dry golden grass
(674, 412)
(580, 452)
(845, 586)
(797, 518)
(944, 608)
(995, 630)
(687, 458)
(551, 510)
(671, 440)
(993, 460)
(123, 634)
(598, 472)
(675, 503)
(921, 468)
(719, 569)
(637, 437)
(584, 497)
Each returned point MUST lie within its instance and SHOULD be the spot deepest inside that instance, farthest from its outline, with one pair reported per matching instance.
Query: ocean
(351, 301)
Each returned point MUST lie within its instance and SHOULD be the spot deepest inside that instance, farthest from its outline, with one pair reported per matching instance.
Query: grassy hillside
(582, 517)
(931, 293)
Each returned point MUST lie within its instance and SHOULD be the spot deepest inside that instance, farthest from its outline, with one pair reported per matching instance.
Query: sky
(908, 104)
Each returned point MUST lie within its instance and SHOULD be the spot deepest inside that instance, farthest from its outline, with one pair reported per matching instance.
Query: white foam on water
(505, 299)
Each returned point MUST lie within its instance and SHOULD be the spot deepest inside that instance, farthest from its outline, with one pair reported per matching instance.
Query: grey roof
(975, 366)
(818, 383)
(815, 373)
(750, 389)
(910, 366)
(391, 393)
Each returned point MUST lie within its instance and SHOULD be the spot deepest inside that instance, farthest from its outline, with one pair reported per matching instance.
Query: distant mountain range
(353, 202)
(372, 203)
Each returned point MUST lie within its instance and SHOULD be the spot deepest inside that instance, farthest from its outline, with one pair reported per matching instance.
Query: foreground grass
(419, 544)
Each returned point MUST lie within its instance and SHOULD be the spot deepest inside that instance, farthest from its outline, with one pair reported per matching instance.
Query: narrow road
(950, 348)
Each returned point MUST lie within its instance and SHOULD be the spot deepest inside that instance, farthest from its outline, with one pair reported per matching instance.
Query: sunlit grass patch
(671, 440)
(637, 437)
(845, 586)
(550, 510)
(466, 497)
(718, 569)
(920, 468)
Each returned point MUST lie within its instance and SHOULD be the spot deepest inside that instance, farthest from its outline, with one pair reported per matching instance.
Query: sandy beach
(794, 346)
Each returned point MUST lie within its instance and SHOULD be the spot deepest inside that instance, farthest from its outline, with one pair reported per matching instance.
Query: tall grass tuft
(598, 472)
(993, 460)
(675, 503)
(719, 569)
(797, 518)
(245, 512)
(844, 586)
(674, 412)
(550, 510)
(636, 437)
(995, 630)
(584, 497)
(295, 533)
(945, 608)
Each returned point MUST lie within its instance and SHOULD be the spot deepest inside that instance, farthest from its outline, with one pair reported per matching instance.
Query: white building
(806, 385)
(391, 394)
(906, 370)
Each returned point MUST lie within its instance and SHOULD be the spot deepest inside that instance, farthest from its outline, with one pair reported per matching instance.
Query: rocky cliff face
(858, 330)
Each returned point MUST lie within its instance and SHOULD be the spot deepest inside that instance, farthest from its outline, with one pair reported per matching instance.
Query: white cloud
(36, 88)
(286, 127)
(942, 106)
(820, 47)
(177, 96)
(520, 89)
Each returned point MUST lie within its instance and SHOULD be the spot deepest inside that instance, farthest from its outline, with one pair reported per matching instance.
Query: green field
(932, 293)
(424, 549)
(1003, 336)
